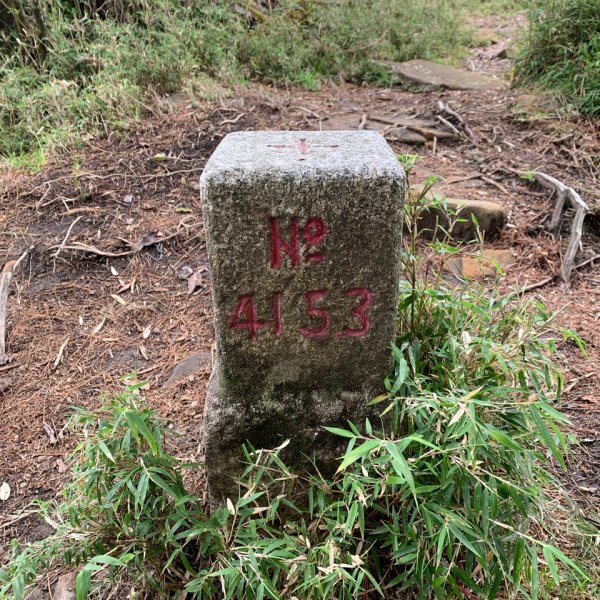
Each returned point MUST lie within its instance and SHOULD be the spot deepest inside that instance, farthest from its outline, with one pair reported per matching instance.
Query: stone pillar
(303, 232)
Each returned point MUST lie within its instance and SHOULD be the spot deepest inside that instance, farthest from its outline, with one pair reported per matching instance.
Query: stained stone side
(291, 378)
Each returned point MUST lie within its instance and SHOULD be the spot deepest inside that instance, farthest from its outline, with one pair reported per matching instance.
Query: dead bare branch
(146, 240)
(547, 280)
(9, 269)
(75, 221)
(564, 193)
(463, 125)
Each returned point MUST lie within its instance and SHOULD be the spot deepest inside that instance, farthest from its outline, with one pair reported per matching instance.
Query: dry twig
(547, 280)
(145, 241)
(56, 254)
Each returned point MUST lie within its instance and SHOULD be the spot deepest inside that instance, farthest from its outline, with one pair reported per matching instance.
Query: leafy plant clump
(444, 497)
(561, 51)
(70, 68)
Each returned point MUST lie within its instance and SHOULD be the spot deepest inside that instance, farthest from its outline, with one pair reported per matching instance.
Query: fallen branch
(565, 193)
(547, 280)
(497, 185)
(75, 221)
(145, 241)
(9, 269)
(463, 125)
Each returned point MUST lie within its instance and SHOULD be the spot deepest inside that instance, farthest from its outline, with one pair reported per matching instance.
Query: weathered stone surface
(490, 216)
(432, 74)
(303, 233)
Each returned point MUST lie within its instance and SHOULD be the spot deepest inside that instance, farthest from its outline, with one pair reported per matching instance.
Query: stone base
(275, 416)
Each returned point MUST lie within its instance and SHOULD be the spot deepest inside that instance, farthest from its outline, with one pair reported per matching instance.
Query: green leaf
(547, 436)
(401, 466)
(504, 439)
(83, 583)
(106, 451)
(137, 425)
(359, 452)
(456, 531)
(164, 485)
(340, 432)
(551, 563)
(401, 375)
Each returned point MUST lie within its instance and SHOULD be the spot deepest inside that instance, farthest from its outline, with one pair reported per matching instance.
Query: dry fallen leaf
(147, 240)
(4, 491)
(195, 280)
(185, 272)
(59, 356)
(99, 326)
(50, 433)
(119, 299)
(146, 333)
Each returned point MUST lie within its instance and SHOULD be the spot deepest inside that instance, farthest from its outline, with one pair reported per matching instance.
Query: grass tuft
(561, 51)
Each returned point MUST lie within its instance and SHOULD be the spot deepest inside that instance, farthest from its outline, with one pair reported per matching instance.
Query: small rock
(432, 74)
(185, 272)
(485, 37)
(65, 587)
(480, 265)
(5, 384)
(533, 105)
(189, 366)
(490, 216)
(405, 136)
(509, 52)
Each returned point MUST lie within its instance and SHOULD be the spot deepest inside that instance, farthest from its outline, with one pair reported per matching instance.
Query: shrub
(561, 51)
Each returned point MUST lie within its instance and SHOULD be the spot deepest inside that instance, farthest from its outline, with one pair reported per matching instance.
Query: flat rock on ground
(481, 265)
(465, 219)
(433, 74)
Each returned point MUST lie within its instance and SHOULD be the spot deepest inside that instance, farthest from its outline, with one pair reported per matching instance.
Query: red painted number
(359, 312)
(317, 313)
(244, 316)
(277, 313)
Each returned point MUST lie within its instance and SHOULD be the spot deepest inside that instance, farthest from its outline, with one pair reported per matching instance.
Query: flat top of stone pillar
(292, 153)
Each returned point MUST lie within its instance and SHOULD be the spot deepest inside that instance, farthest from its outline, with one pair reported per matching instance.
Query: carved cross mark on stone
(302, 146)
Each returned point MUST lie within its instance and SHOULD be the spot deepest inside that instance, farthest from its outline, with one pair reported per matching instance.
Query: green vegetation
(69, 68)
(447, 497)
(561, 51)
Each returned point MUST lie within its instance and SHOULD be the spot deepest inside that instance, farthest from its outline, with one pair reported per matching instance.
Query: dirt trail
(112, 316)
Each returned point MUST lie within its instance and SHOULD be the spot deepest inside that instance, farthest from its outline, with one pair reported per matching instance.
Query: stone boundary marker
(303, 233)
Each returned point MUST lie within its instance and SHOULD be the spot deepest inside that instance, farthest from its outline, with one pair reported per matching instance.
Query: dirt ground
(78, 321)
